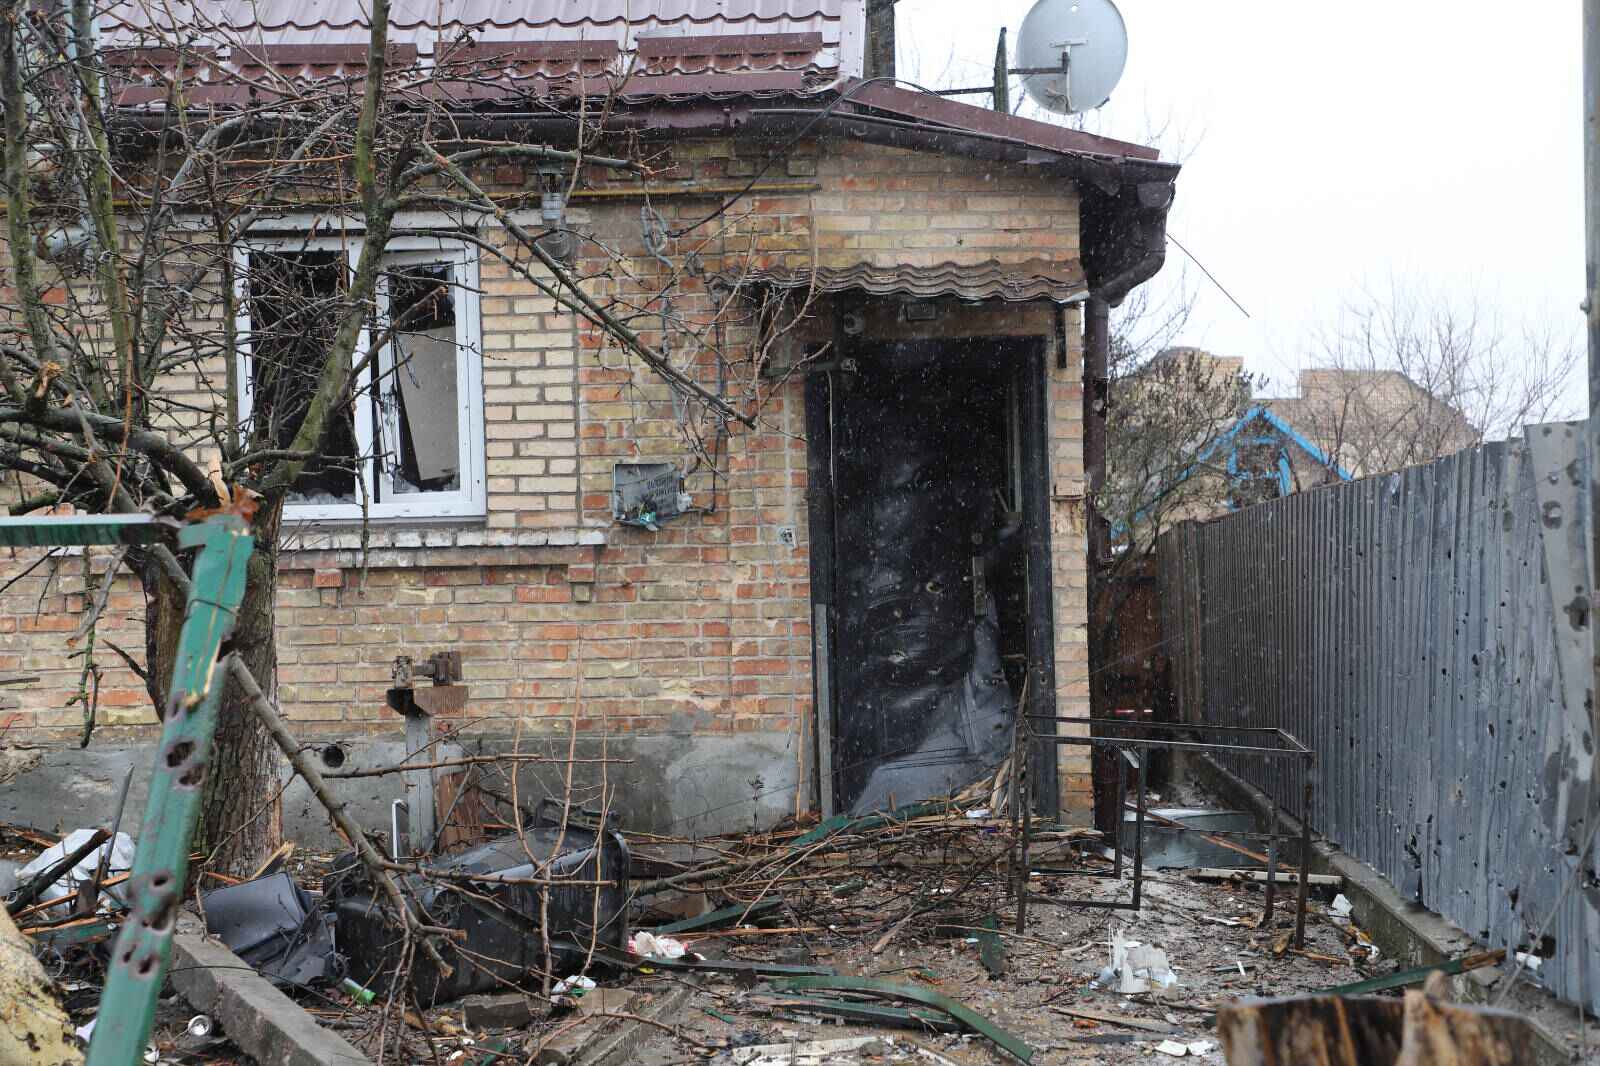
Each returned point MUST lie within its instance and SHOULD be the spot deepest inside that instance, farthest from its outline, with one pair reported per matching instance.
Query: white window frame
(470, 499)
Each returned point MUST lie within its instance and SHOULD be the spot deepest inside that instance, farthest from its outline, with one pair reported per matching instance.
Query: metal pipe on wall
(1096, 373)
(1096, 360)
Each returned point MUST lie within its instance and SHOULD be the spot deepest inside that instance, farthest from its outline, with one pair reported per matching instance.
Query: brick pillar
(1069, 548)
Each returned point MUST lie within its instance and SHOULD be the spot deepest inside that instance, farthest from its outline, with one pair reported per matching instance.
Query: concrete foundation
(677, 783)
(1414, 936)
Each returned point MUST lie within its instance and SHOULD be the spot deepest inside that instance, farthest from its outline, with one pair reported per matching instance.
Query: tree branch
(375, 864)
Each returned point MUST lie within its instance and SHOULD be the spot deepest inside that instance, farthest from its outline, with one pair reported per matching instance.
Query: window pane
(421, 413)
(293, 303)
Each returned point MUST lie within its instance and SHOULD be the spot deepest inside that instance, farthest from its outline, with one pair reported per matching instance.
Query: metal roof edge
(927, 107)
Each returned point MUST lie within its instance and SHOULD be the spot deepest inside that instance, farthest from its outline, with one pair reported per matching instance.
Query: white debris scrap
(1138, 968)
(121, 862)
(569, 989)
(651, 946)
(1341, 907)
(1179, 1050)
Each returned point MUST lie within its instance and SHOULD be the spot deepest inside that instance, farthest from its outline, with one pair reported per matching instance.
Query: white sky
(1331, 144)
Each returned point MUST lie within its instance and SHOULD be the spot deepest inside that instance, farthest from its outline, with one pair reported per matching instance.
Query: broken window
(409, 441)
(292, 307)
(418, 399)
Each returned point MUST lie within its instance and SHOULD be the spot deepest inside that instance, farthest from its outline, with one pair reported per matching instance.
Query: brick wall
(561, 615)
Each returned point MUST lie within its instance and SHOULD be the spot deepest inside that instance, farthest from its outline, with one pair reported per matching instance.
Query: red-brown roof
(740, 35)
(499, 54)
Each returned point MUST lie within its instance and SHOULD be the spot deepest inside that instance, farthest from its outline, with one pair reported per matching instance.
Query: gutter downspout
(1134, 218)
(1096, 394)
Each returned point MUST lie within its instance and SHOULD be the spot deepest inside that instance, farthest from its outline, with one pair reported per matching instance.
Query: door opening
(928, 571)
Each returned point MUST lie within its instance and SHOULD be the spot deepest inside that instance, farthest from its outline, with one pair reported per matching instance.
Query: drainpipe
(1096, 370)
(1096, 394)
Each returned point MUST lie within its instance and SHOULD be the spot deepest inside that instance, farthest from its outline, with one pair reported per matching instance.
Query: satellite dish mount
(1071, 54)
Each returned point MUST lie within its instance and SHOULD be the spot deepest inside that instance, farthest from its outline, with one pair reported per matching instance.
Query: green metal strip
(895, 990)
(841, 822)
(726, 914)
(24, 532)
(990, 952)
(855, 1010)
(1416, 976)
(87, 933)
(143, 951)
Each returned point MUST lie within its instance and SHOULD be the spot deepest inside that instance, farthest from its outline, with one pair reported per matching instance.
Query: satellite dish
(1082, 47)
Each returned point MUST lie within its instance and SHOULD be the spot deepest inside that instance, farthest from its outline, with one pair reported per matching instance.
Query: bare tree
(1406, 373)
(165, 348)
(1168, 408)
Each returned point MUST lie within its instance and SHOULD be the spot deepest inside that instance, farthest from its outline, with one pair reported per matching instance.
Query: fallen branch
(465, 760)
(267, 715)
(1106, 1017)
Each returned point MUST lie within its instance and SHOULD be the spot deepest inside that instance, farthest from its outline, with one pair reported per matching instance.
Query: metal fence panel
(1420, 631)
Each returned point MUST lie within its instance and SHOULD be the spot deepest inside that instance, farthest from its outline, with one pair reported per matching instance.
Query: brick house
(911, 501)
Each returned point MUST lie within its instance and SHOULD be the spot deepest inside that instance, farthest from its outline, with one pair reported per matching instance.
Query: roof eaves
(929, 108)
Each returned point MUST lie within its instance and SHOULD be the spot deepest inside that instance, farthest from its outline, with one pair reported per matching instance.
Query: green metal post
(160, 866)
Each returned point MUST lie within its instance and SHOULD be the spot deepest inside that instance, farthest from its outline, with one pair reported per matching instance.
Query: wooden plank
(1439, 1033)
(1311, 1031)
(1424, 1030)
(1108, 1018)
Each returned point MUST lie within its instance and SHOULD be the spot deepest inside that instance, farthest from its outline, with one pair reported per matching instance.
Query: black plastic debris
(274, 925)
(504, 940)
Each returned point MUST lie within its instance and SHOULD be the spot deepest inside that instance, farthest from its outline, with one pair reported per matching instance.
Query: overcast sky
(1331, 144)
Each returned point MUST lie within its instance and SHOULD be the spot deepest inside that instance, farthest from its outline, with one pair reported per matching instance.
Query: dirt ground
(1205, 929)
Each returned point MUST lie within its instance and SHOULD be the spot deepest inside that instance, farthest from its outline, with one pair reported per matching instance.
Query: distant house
(1372, 421)
(1265, 456)
(1343, 424)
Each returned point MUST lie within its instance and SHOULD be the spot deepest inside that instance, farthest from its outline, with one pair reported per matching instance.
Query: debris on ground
(1179, 1050)
(1136, 967)
(859, 940)
(490, 894)
(569, 990)
(1417, 975)
(273, 924)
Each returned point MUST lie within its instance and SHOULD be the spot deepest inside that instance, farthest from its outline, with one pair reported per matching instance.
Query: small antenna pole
(1002, 76)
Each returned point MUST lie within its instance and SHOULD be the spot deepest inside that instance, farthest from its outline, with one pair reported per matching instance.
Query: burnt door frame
(1027, 357)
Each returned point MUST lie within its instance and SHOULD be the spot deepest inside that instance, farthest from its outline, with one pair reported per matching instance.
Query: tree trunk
(33, 1027)
(241, 818)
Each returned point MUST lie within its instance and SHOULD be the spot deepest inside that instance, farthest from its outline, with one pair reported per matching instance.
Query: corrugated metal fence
(1426, 633)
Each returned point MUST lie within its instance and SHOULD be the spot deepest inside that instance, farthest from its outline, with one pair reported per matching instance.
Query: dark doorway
(927, 463)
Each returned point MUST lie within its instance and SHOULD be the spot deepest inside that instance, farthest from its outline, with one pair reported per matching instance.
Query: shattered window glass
(409, 441)
(417, 392)
(293, 299)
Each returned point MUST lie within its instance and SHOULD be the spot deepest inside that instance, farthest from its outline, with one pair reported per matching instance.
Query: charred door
(924, 563)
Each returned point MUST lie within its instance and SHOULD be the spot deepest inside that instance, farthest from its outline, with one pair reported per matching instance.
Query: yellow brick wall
(559, 614)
